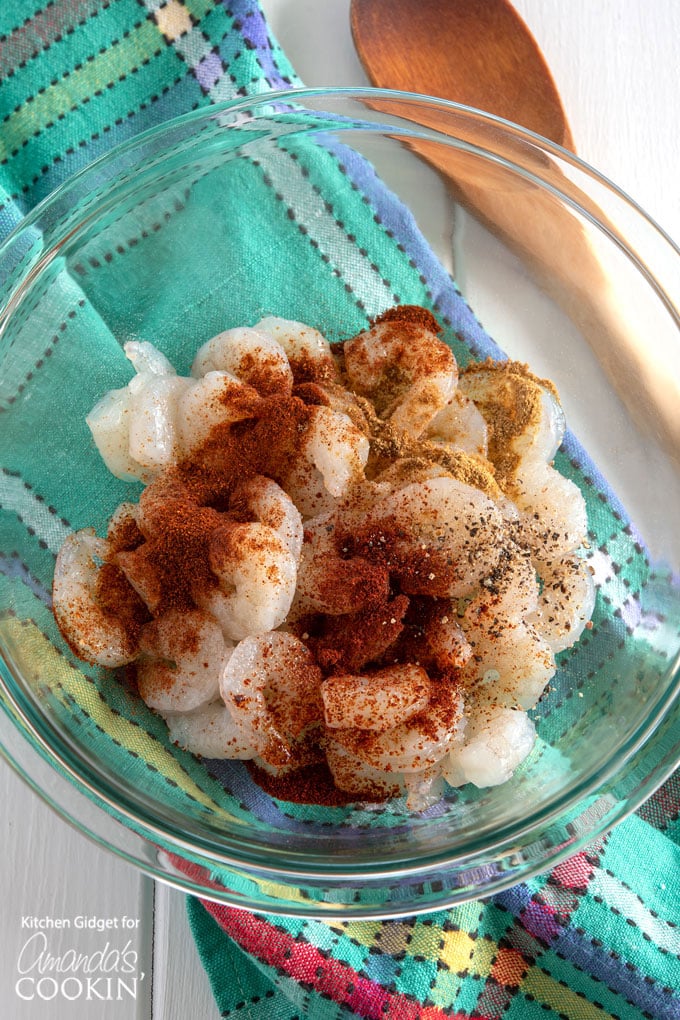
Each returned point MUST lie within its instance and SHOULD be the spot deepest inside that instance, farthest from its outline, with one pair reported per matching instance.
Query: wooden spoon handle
(588, 277)
(575, 262)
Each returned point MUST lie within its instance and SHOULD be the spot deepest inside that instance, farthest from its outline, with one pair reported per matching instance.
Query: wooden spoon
(476, 52)
(480, 53)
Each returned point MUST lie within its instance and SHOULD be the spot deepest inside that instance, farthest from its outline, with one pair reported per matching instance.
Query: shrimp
(182, 657)
(424, 788)
(136, 428)
(331, 459)
(252, 355)
(255, 563)
(511, 664)
(271, 687)
(309, 353)
(328, 583)
(354, 776)
(511, 590)
(553, 519)
(167, 489)
(527, 409)
(494, 744)
(566, 601)
(347, 643)
(461, 425)
(415, 744)
(525, 413)
(377, 701)
(109, 423)
(403, 366)
(270, 505)
(434, 636)
(256, 574)
(217, 398)
(209, 731)
(95, 633)
(445, 536)
(337, 448)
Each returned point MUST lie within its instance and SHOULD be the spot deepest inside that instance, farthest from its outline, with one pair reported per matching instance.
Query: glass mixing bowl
(328, 207)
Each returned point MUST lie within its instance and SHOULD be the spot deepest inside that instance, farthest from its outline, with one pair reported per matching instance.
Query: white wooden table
(615, 65)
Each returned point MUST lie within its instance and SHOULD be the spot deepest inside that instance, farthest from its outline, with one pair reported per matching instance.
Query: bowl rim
(638, 738)
(84, 775)
(234, 106)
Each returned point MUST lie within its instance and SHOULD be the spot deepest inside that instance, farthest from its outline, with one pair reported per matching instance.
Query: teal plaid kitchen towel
(596, 937)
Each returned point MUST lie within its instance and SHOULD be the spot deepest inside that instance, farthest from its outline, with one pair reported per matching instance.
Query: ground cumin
(515, 404)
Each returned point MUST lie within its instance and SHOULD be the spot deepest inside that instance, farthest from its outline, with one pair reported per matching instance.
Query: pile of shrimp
(351, 554)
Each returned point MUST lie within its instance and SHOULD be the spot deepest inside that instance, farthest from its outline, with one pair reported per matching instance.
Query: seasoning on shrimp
(348, 559)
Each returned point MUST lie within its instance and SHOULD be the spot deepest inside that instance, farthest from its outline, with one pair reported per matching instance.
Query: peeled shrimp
(552, 508)
(97, 636)
(450, 632)
(445, 638)
(452, 536)
(553, 517)
(502, 389)
(378, 701)
(511, 590)
(252, 355)
(136, 428)
(331, 458)
(510, 665)
(328, 583)
(270, 505)
(461, 425)
(308, 351)
(217, 398)
(167, 488)
(404, 367)
(256, 574)
(566, 601)
(271, 687)
(511, 662)
(209, 731)
(410, 746)
(109, 423)
(182, 657)
(353, 775)
(337, 449)
(255, 564)
(424, 788)
(494, 744)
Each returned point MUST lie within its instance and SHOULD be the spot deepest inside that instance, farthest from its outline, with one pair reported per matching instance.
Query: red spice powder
(406, 315)
(178, 553)
(350, 642)
(119, 600)
(265, 444)
(417, 566)
(311, 784)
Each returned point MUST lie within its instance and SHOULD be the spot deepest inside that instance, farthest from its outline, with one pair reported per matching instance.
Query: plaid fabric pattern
(597, 937)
